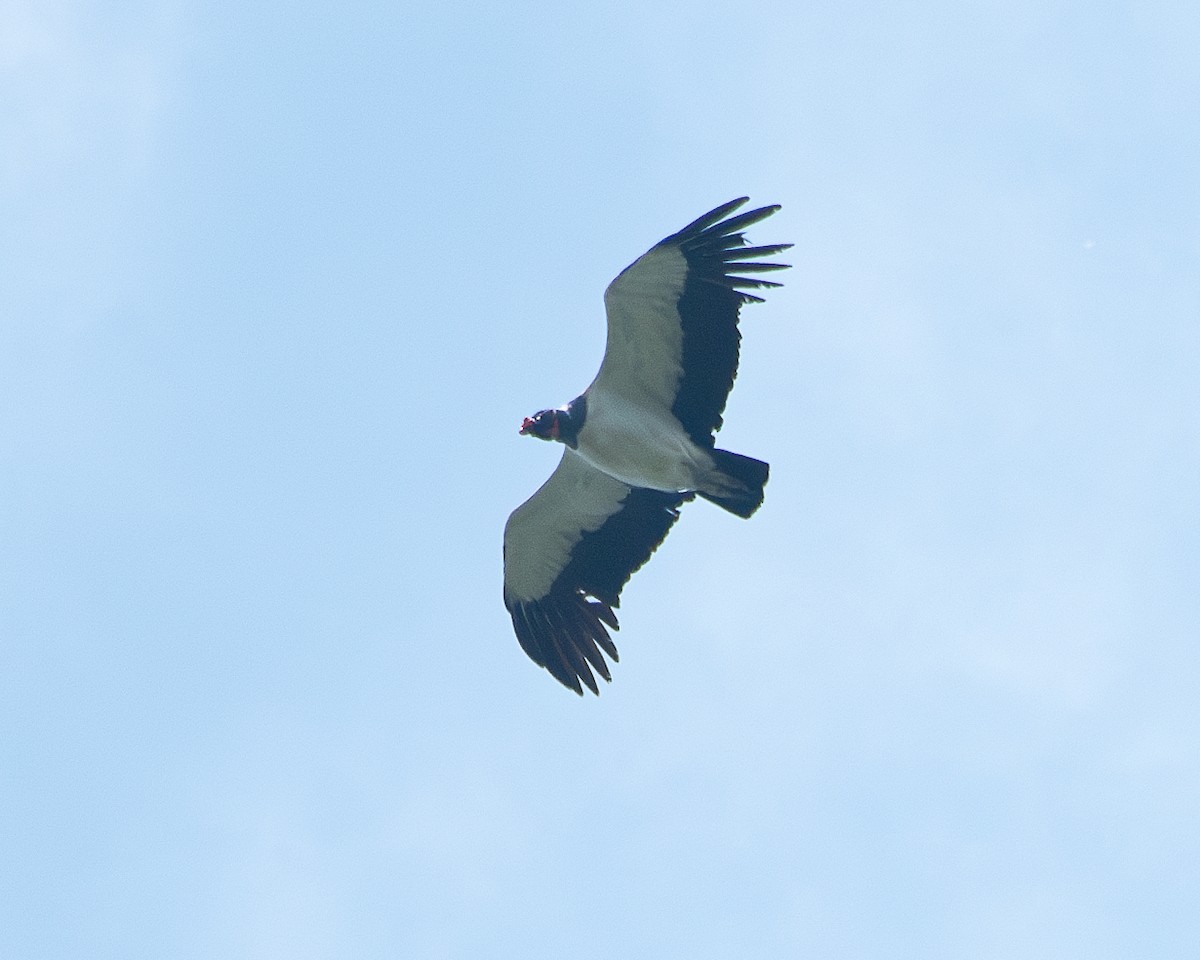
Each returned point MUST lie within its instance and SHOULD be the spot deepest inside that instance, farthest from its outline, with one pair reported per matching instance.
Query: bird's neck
(571, 420)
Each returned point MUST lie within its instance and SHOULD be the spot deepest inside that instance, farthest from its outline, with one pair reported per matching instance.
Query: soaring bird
(638, 442)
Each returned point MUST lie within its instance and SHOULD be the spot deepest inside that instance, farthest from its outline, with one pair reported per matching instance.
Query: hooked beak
(526, 425)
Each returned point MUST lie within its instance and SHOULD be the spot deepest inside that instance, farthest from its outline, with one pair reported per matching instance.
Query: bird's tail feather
(741, 493)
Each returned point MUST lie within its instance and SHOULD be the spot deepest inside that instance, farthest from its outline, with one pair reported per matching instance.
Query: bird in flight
(638, 443)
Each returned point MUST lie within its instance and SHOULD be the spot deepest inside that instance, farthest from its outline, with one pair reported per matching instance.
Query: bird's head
(544, 425)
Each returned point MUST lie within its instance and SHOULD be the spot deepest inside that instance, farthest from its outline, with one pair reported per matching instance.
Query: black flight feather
(708, 309)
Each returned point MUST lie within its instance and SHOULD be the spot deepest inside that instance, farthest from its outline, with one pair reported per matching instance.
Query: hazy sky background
(278, 282)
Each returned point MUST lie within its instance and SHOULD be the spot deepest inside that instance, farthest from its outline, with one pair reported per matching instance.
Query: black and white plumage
(639, 443)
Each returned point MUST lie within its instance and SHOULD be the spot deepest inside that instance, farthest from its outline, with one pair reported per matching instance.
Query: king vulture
(637, 443)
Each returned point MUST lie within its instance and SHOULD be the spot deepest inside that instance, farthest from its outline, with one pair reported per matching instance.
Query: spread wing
(673, 313)
(568, 551)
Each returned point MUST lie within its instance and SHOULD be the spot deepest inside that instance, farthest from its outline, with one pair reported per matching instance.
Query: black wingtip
(565, 634)
(738, 252)
(743, 220)
(702, 223)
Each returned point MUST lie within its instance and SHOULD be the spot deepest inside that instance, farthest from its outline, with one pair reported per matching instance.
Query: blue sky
(278, 283)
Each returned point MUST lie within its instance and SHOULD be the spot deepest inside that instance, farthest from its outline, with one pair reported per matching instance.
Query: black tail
(749, 476)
